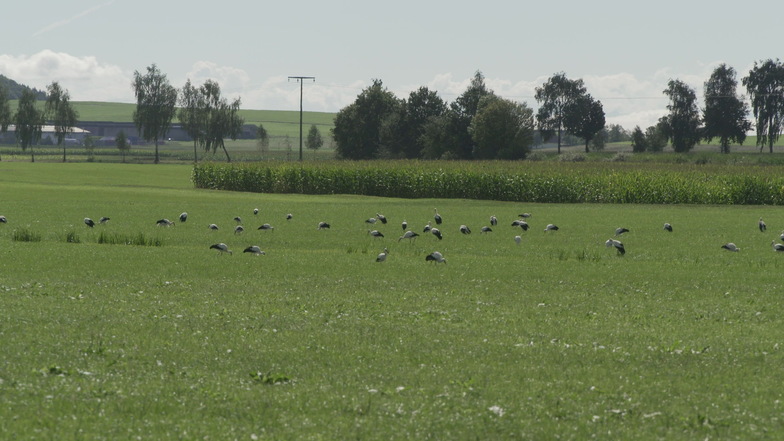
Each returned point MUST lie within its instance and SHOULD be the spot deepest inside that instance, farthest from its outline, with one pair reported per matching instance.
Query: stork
(89, 222)
(165, 223)
(408, 235)
(103, 220)
(493, 220)
(183, 216)
(238, 229)
(375, 233)
(3, 220)
(253, 249)
(382, 218)
(221, 247)
(266, 227)
(437, 217)
(551, 227)
(436, 257)
(486, 229)
(382, 256)
(621, 230)
(782, 235)
(371, 220)
(255, 211)
(428, 227)
(464, 229)
(213, 227)
(322, 225)
(518, 239)
(522, 224)
(238, 219)
(762, 226)
(524, 215)
(668, 227)
(404, 225)
(437, 233)
(776, 246)
(730, 247)
(289, 216)
(617, 244)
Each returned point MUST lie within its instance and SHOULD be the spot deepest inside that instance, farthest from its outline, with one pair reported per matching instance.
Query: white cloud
(85, 78)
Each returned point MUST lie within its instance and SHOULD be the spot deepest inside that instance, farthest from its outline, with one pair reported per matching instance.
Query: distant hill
(15, 89)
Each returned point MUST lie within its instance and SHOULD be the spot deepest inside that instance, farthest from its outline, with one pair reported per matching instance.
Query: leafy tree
(639, 143)
(29, 121)
(584, 118)
(402, 130)
(682, 124)
(61, 112)
(89, 145)
(122, 144)
(192, 114)
(314, 141)
(436, 136)
(262, 139)
(156, 102)
(222, 118)
(554, 97)
(616, 133)
(358, 126)
(765, 84)
(725, 113)
(655, 138)
(462, 112)
(502, 129)
(599, 140)
(5, 110)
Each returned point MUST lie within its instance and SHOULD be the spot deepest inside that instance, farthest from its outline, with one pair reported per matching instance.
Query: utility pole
(301, 80)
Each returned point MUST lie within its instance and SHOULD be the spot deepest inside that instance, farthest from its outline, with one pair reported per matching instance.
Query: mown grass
(558, 337)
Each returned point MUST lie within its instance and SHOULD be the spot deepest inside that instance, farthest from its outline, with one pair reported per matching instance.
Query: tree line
(206, 116)
(482, 125)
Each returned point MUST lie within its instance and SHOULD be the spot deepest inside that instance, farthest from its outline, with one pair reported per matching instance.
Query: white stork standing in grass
(238, 219)
(89, 222)
(524, 215)
(762, 226)
(780, 236)
(428, 227)
(621, 230)
(518, 239)
(381, 217)
(164, 223)
(551, 227)
(668, 227)
(322, 226)
(437, 217)
(371, 220)
(103, 220)
(266, 227)
(3, 220)
(183, 217)
(221, 247)
(776, 246)
(437, 233)
(238, 229)
(382, 256)
(289, 216)
(255, 211)
(730, 247)
(486, 229)
(408, 235)
(213, 227)
(404, 225)
(493, 220)
(436, 257)
(375, 233)
(253, 249)
(464, 229)
(617, 245)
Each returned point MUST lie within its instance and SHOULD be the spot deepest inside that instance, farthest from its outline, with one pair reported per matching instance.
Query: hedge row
(513, 181)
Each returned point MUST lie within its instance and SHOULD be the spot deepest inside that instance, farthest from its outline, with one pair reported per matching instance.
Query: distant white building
(76, 137)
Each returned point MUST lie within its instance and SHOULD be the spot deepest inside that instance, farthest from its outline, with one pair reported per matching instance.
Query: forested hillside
(15, 89)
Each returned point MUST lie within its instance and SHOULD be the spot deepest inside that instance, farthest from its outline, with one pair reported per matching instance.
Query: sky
(625, 52)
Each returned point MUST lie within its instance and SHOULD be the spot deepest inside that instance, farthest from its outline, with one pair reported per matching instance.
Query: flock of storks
(408, 234)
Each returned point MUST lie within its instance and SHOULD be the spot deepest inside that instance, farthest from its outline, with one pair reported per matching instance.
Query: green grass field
(555, 338)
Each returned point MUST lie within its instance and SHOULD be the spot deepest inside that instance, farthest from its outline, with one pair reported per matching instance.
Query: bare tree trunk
(195, 157)
(223, 146)
(63, 152)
